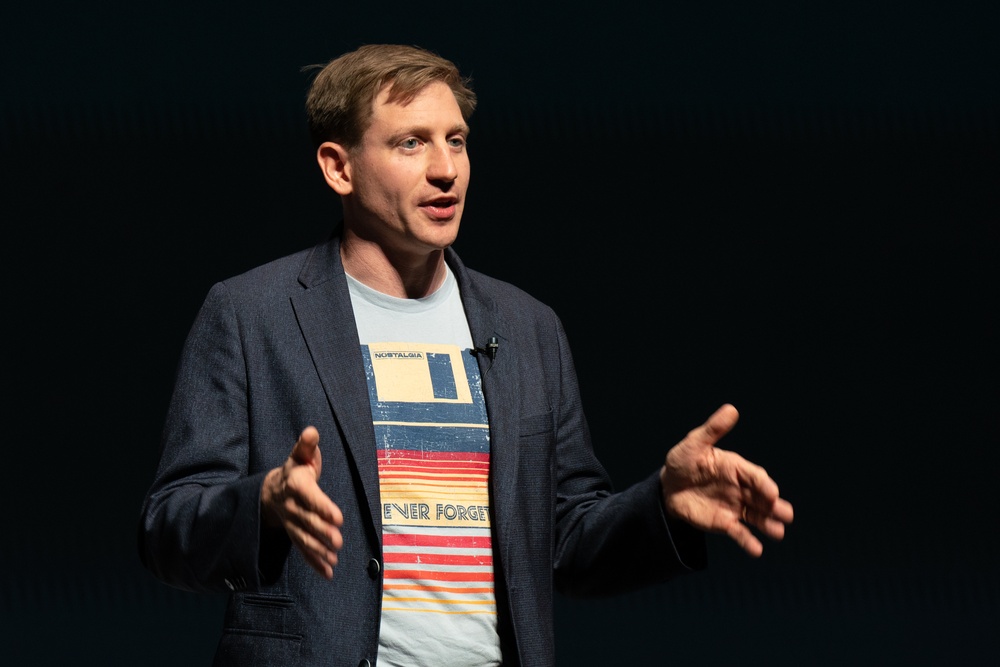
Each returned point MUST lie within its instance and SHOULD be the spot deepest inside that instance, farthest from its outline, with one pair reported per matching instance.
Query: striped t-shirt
(432, 437)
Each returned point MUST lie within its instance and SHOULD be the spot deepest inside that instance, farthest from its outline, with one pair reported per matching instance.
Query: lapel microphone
(492, 346)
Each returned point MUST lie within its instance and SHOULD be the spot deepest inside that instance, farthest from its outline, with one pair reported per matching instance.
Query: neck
(402, 275)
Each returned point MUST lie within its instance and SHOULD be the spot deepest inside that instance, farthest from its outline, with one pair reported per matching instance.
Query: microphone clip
(492, 346)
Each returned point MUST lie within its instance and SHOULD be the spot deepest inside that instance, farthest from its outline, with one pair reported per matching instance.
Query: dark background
(792, 207)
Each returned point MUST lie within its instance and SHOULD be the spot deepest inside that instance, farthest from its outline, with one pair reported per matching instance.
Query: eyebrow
(422, 130)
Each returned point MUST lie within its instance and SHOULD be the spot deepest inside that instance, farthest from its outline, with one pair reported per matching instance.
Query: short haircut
(341, 99)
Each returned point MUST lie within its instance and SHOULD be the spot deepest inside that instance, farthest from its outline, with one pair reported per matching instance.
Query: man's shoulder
(506, 295)
(308, 264)
(499, 286)
(275, 281)
(279, 269)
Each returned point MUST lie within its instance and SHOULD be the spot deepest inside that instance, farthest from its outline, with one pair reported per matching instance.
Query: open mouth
(442, 207)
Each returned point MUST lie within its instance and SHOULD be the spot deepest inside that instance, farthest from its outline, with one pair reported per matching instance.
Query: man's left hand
(719, 491)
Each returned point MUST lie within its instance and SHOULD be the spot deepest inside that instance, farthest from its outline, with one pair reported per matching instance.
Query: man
(455, 487)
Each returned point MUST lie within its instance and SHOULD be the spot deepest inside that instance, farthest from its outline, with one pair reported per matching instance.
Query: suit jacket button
(364, 663)
(230, 585)
(373, 568)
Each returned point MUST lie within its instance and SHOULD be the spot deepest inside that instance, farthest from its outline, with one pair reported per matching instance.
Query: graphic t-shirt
(432, 437)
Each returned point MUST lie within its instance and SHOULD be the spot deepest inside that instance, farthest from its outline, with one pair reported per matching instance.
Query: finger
(306, 449)
(783, 511)
(760, 492)
(311, 510)
(323, 568)
(325, 531)
(745, 539)
(773, 529)
(307, 497)
(717, 425)
(314, 534)
(756, 486)
(318, 557)
(303, 522)
(771, 521)
(768, 525)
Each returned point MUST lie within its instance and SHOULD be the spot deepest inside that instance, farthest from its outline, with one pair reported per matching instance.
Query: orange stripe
(394, 459)
(438, 576)
(429, 483)
(442, 611)
(435, 470)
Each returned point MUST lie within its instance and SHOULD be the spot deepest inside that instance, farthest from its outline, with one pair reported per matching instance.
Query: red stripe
(426, 470)
(424, 473)
(438, 559)
(457, 541)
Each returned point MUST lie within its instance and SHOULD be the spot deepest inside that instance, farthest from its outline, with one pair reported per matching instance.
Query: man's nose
(442, 164)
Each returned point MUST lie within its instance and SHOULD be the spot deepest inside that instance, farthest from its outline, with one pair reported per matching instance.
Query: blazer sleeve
(608, 542)
(200, 526)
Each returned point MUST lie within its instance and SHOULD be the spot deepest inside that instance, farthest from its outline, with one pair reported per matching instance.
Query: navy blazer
(276, 349)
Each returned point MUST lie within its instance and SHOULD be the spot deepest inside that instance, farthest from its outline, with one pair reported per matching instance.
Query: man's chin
(442, 234)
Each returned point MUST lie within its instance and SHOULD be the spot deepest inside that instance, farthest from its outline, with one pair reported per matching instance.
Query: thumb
(718, 424)
(306, 449)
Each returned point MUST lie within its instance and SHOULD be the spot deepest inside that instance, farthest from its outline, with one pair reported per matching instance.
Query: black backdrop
(790, 207)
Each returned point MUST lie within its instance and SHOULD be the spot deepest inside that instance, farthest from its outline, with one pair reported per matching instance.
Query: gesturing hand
(720, 491)
(291, 499)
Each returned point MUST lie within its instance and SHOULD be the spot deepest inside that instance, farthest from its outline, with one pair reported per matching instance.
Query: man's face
(410, 172)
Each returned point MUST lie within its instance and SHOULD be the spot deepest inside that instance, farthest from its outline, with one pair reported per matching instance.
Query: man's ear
(333, 162)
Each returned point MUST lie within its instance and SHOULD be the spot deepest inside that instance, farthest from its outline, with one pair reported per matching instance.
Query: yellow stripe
(441, 611)
(469, 590)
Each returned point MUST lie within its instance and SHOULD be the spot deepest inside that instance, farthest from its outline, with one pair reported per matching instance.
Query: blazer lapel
(499, 380)
(326, 319)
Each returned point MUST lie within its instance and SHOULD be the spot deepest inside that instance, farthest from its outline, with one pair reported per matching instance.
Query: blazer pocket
(257, 648)
(270, 601)
(260, 624)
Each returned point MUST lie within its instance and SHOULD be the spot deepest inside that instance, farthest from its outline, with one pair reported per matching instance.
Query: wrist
(269, 493)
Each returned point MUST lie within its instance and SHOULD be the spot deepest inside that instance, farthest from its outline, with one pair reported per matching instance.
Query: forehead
(432, 105)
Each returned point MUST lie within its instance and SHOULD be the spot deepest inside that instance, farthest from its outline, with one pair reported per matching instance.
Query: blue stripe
(432, 438)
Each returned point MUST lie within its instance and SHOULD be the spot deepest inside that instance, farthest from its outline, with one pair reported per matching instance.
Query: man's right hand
(291, 499)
